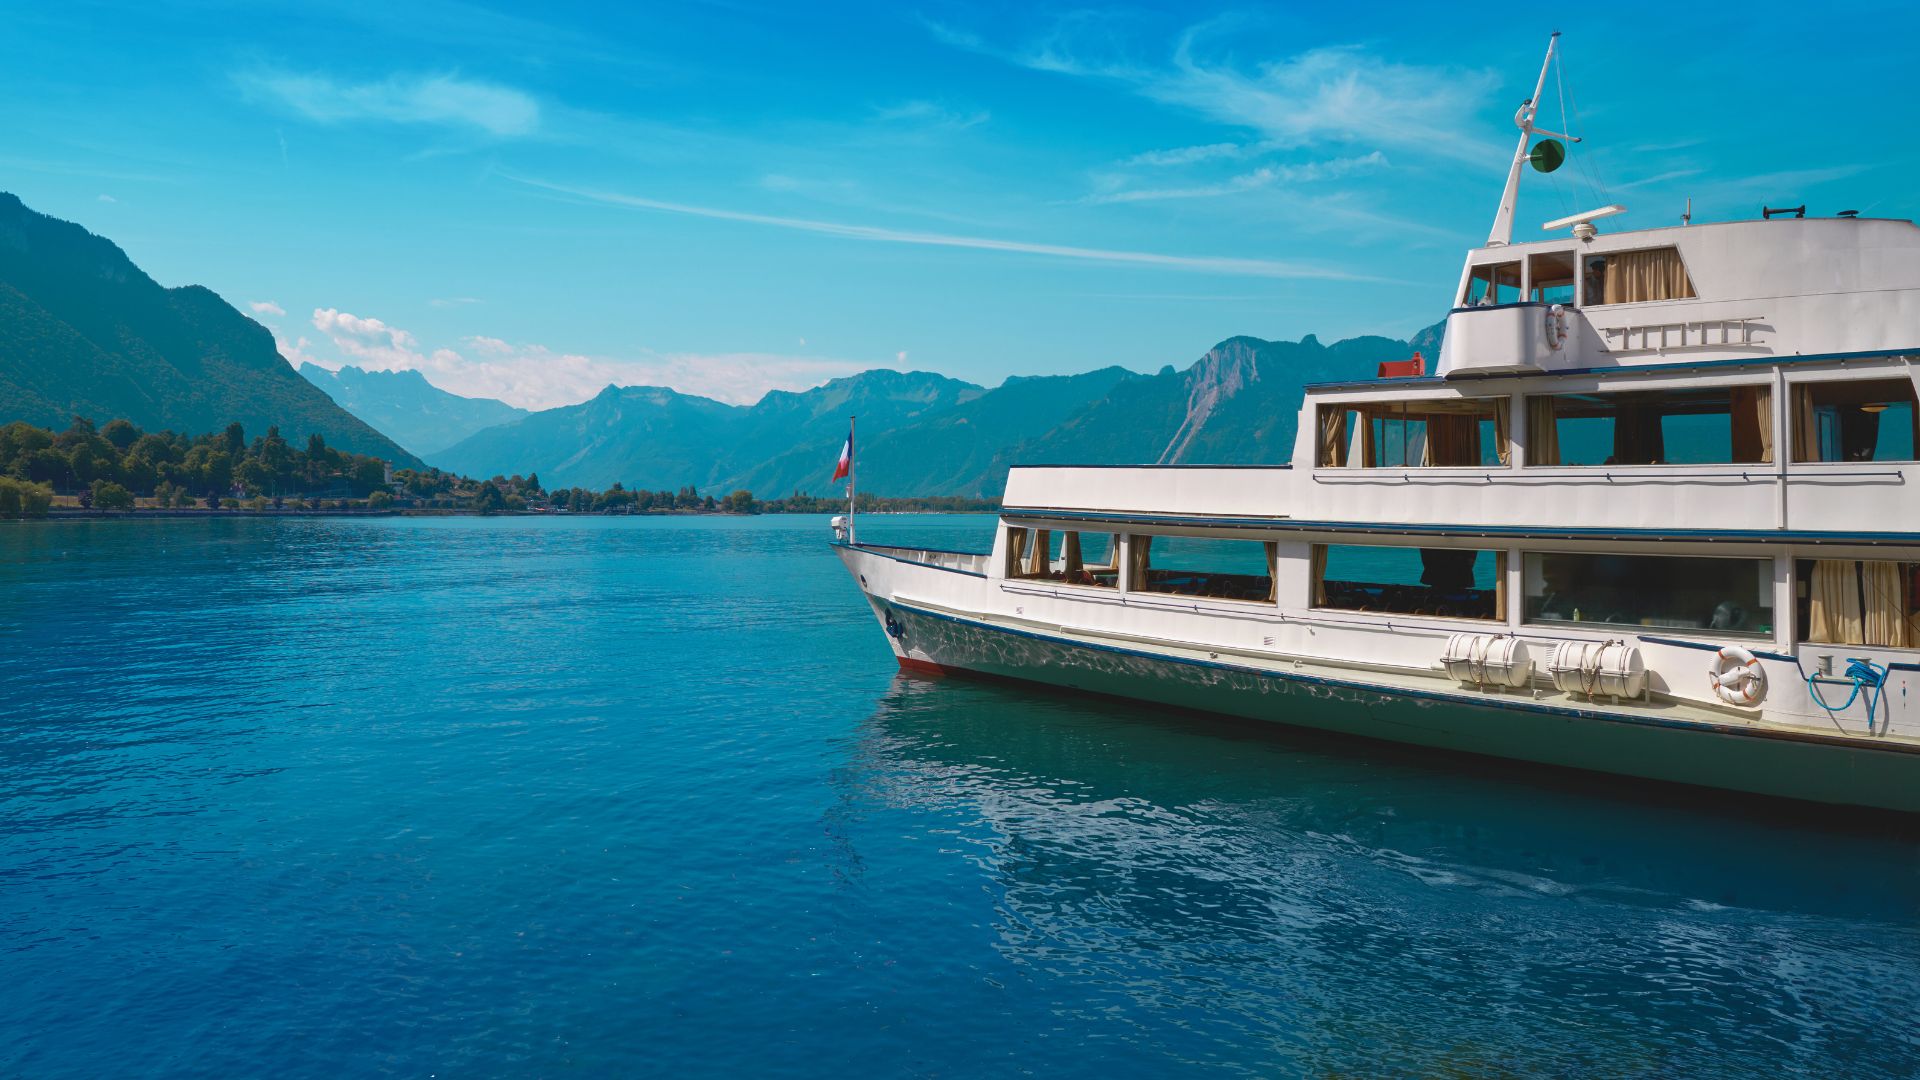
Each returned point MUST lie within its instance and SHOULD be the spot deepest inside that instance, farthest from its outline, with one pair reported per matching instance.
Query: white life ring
(1556, 327)
(1737, 677)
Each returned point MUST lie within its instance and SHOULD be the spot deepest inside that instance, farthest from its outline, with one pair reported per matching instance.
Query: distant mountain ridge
(412, 411)
(926, 434)
(84, 332)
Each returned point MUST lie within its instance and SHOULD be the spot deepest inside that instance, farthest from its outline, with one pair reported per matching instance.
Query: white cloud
(900, 357)
(931, 114)
(267, 307)
(1331, 94)
(108, 199)
(536, 377)
(1187, 155)
(1264, 177)
(444, 99)
(452, 301)
(1214, 264)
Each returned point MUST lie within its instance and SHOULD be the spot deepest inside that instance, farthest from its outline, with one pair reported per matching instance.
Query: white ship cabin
(1677, 438)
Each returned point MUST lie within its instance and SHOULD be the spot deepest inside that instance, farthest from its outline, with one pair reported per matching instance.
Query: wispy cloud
(1660, 178)
(1186, 155)
(930, 114)
(266, 307)
(452, 301)
(535, 376)
(1339, 94)
(1212, 264)
(1264, 177)
(108, 199)
(447, 99)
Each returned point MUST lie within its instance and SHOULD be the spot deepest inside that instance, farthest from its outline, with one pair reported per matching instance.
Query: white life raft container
(1612, 668)
(1487, 660)
(1737, 677)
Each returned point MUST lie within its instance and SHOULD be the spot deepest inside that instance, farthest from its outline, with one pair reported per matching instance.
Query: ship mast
(1502, 233)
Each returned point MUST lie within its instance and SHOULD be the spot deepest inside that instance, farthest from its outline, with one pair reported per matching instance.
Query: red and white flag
(842, 470)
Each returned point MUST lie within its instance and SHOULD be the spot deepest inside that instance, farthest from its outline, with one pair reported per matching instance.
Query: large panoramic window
(1498, 283)
(1725, 596)
(1867, 420)
(1454, 583)
(1705, 426)
(1190, 566)
(1636, 277)
(1459, 432)
(1856, 602)
(1072, 558)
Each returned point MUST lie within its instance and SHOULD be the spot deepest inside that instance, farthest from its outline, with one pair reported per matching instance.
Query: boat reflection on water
(1346, 901)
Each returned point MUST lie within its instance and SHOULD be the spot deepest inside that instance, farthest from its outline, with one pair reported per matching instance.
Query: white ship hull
(1673, 744)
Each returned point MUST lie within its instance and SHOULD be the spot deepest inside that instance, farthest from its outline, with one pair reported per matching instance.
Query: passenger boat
(1654, 514)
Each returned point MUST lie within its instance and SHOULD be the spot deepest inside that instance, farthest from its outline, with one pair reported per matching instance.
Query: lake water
(612, 796)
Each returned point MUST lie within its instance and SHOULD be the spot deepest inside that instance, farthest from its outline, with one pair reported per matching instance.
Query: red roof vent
(1403, 369)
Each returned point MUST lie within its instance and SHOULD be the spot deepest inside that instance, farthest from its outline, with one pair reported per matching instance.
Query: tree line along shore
(117, 468)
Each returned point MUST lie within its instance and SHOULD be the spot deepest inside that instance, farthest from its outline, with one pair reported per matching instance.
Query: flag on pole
(845, 467)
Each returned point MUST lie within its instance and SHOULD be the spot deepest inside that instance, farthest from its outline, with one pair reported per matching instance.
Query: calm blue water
(612, 796)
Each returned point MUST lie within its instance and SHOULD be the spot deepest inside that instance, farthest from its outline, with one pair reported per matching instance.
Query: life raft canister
(1738, 677)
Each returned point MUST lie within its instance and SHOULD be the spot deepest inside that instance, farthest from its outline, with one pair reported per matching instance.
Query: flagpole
(851, 454)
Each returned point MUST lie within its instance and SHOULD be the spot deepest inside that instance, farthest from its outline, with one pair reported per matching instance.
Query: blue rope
(1863, 673)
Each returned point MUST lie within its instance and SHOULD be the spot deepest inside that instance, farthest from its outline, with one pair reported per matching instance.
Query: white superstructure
(1656, 514)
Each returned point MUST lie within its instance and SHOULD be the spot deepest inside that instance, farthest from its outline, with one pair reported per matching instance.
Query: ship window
(1456, 432)
(1495, 283)
(1867, 420)
(1550, 278)
(1636, 277)
(1190, 566)
(1452, 583)
(1726, 596)
(1850, 602)
(1073, 558)
(1706, 426)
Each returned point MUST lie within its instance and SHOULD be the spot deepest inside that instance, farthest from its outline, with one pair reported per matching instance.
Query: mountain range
(83, 332)
(927, 434)
(412, 411)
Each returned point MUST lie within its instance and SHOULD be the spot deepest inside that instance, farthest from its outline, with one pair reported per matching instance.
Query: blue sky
(531, 203)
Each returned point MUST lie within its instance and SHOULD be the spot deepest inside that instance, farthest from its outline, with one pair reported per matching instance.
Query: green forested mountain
(407, 408)
(84, 332)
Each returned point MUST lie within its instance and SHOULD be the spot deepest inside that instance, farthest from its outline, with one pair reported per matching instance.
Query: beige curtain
(1885, 621)
(1273, 571)
(1040, 556)
(1752, 409)
(1806, 427)
(1070, 553)
(1501, 434)
(1834, 604)
(1016, 552)
(1453, 439)
(1543, 432)
(1500, 585)
(1907, 573)
(1333, 436)
(1318, 568)
(1139, 550)
(1636, 276)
